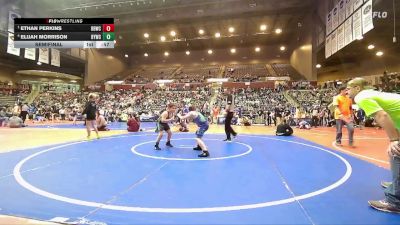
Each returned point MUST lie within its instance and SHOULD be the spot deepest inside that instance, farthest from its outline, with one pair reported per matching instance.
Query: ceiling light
(173, 33)
(233, 50)
(201, 31)
(166, 53)
(115, 41)
(210, 51)
(379, 53)
(278, 31)
(145, 54)
(217, 35)
(162, 38)
(231, 29)
(318, 66)
(257, 49)
(187, 52)
(282, 48)
(370, 47)
(263, 27)
(126, 55)
(146, 35)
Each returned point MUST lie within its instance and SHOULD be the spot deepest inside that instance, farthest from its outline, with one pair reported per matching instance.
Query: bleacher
(200, 73)
(197, 73)
(285, 70)
(310, 99)
(149, 74)
(7, 100)
(246, 72)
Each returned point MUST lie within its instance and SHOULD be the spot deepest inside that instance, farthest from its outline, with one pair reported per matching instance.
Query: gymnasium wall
(268, 54)
(344, 64)
(101, 66)
(302, 57)
(374, 66)
(7, 74)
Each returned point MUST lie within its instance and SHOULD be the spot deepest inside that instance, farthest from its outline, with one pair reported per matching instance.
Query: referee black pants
(23, 115)
(228, 128)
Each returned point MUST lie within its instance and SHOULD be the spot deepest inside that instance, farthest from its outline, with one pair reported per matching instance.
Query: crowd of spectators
(253, 106)
(390, 82)
(258, 106)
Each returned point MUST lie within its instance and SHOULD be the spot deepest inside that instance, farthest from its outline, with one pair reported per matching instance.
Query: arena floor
(51, 173)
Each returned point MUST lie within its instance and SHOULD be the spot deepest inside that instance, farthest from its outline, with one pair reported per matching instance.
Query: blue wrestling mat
(253, 180)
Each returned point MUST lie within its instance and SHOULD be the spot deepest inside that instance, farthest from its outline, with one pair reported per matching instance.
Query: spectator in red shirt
(133, 123)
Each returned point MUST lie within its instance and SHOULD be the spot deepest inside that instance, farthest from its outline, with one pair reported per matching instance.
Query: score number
(108, 36)
(108, 32)
(108, 27)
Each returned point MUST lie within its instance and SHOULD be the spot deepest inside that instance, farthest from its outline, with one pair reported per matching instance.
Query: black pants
(269, 120)
(228, 128)
(23, 115)
(314, 121)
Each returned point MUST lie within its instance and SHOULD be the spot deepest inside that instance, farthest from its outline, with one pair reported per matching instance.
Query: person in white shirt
(16, 110)
(62, 113)
(101, 122)
(24, 111)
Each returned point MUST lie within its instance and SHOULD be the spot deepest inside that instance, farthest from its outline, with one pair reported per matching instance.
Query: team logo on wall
(11, 17)
(367, 9)
(334, 11)
(341, 4)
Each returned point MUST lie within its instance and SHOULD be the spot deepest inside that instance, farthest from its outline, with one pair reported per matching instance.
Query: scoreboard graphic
(64, 33)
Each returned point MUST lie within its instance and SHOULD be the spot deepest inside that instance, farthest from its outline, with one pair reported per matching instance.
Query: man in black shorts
(162, 125)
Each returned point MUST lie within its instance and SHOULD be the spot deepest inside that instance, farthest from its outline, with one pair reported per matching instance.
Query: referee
(230, 106)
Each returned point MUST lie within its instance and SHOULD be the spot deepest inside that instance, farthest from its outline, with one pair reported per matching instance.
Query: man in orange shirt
(343, 115)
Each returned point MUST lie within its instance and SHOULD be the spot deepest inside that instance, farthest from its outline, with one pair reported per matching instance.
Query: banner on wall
(328, 47)
(10, 45)
(329, 23)
(30, 53)
(348, 31)
(340, 37)
(357, 4)
(357, 25)
(342, 11)
(367, 21)
(44, 55)
(334, 44)
(11, 17)
(349, 8)
(335, 18)
(55, 57)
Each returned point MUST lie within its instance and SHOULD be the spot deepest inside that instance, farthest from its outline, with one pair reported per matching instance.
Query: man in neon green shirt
(385, 107)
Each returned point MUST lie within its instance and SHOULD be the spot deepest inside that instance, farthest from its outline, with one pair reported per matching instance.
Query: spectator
(284, 129)
(133, 123)
(15, 122)
(304, 125)
(343, 115)
(385, 108)
(101, 122)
